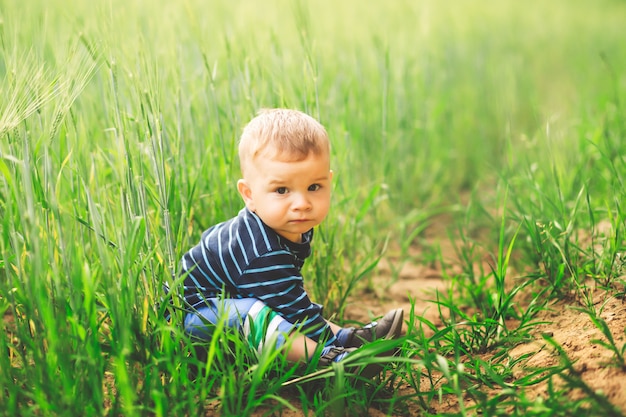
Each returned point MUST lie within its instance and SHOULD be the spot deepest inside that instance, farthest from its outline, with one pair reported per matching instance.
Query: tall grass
(118, 129)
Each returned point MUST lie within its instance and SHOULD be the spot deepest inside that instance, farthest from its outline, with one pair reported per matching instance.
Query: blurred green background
(118, 130)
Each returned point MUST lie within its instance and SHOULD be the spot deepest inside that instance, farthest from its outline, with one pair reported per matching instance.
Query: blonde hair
(282, 132)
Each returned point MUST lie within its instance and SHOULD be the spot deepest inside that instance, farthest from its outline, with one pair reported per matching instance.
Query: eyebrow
(281, 181)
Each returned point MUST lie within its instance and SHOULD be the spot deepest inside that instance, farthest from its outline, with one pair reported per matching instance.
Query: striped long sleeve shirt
(244, 258)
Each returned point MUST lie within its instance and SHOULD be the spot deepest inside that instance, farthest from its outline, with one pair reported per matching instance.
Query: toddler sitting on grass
(248, 267)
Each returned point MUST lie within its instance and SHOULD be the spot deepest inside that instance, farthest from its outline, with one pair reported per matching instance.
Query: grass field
(485, 140)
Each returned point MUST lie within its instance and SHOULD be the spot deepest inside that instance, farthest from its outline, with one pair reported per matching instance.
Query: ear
(246, 194)
(331, 174)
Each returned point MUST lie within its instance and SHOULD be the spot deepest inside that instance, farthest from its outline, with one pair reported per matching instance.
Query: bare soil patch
(571, 328)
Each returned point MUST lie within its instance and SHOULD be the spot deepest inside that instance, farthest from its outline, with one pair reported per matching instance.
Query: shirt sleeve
(274, 279)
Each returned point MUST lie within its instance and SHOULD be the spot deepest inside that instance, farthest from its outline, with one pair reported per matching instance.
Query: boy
(248, 267)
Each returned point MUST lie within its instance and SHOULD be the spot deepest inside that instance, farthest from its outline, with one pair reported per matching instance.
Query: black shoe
(388, 327)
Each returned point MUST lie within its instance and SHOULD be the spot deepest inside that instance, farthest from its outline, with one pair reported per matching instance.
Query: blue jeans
(253, 318)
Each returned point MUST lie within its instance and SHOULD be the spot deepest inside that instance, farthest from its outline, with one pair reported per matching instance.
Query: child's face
(291, 197)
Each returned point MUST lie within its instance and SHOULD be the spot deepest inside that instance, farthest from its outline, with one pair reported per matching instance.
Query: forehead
(285, 154)
(286, 159)
(288, 168)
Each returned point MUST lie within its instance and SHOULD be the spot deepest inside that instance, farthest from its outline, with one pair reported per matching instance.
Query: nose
(301, 202)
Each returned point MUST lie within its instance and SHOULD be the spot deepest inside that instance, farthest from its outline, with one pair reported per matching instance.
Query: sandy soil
(572, 329)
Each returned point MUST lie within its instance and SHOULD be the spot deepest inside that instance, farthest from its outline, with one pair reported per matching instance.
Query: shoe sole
(396, 325)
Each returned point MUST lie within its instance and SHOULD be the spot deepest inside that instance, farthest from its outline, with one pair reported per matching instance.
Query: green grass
(118, 129)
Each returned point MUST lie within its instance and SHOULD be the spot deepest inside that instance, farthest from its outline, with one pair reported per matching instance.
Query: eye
(281, 190)
(314, 187)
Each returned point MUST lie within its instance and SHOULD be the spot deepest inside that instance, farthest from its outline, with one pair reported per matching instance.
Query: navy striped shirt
(244, 258)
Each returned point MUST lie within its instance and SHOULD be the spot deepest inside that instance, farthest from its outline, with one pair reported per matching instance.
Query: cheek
(263, 203)
(324, 204)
